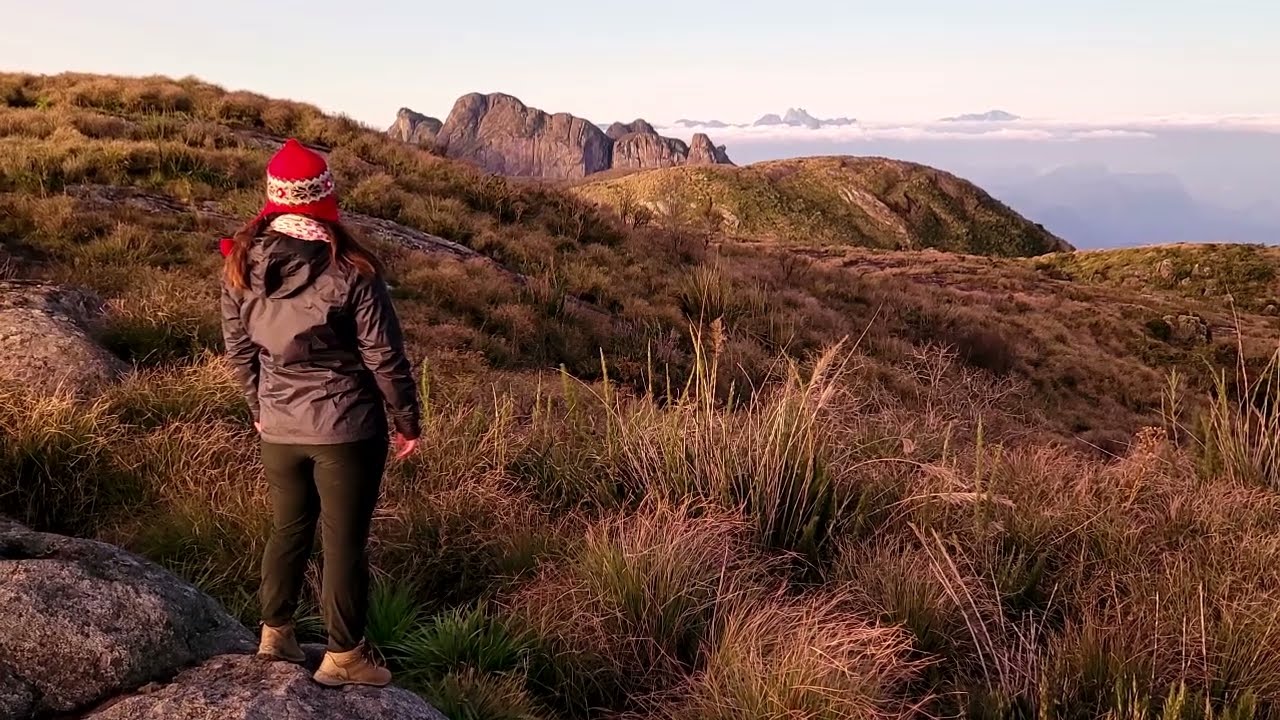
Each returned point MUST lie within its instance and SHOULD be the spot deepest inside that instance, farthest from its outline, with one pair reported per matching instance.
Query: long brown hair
(346, 251)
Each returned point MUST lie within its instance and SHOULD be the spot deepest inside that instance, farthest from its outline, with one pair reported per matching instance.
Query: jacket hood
(283, 266)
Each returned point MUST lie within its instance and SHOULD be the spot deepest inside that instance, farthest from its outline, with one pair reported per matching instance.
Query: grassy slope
(869, 202)
(885, 528)
(1244, 273)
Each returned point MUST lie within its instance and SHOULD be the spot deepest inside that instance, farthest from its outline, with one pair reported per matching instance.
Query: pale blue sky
(664, 59)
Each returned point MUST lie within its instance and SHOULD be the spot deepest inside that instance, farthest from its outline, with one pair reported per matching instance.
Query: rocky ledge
(89, 630)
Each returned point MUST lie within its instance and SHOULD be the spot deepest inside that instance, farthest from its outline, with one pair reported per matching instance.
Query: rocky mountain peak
(619, 130)
(799, 118)
(704, 152)
(501, 134)
(414, 127)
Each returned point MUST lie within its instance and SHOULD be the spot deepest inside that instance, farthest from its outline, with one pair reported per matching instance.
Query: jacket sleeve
(241, 351)
(382, 350)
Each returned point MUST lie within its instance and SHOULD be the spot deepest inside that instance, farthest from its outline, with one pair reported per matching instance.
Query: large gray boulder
(241, 687)
(44, 343)
(82, 621)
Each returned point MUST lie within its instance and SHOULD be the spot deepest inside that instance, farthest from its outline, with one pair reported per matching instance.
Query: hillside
(669, 473)
(868, 202)
(1245, 276)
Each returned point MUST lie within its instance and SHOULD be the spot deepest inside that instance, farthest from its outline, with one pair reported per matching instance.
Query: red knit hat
(298, 181)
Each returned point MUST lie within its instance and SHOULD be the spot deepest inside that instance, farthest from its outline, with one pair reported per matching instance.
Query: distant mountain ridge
(793, 117)
(502, 135)
(988, 116)
(1097, 208)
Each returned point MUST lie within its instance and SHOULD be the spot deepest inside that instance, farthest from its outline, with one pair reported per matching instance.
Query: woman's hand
(257, 426)
(405, 446)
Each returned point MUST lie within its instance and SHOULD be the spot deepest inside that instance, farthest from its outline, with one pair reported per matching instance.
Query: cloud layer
(1025, 130)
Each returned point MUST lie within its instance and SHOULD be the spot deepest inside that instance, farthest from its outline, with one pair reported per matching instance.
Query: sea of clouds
(1028, 129)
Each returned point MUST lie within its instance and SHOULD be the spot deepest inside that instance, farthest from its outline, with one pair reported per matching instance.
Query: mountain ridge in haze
(988, 116)
(1099, 208)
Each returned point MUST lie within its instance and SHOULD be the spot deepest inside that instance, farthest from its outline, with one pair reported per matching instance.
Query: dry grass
(779, 657)
(985, 575)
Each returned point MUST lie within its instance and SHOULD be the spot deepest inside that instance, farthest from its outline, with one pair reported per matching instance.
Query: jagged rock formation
(642, 151)
(503, 135)
(799, 117)
(89, 630)
(704, 152)
(414, 127)
(43, 340)
(619, 130)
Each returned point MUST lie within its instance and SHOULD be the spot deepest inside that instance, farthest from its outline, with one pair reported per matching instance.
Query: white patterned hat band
(299, 192)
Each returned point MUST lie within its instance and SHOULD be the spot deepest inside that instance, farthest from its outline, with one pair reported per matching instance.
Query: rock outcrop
(414, 127)
(704, 152)
(619, 130)
(1188, 329)
(81, 621)
(646, 150)
(89, 630)
(504, 136)
(242, 687)
(44, 344)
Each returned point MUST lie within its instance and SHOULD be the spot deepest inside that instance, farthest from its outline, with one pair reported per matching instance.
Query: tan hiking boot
(281, 643)
(351, 668)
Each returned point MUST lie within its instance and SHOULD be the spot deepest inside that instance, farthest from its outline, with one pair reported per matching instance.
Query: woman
(311, 332)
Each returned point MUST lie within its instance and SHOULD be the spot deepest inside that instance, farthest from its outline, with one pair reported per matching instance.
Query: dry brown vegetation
(716, 509)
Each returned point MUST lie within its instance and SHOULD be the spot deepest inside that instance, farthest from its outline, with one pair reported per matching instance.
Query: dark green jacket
(317, 347)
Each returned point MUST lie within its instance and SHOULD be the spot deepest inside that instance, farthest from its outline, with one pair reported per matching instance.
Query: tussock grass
(628, 612)
(1241, 429)
(57, 468)
(777, 657)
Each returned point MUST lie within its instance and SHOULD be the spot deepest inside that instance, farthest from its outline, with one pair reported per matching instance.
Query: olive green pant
(337, 485)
